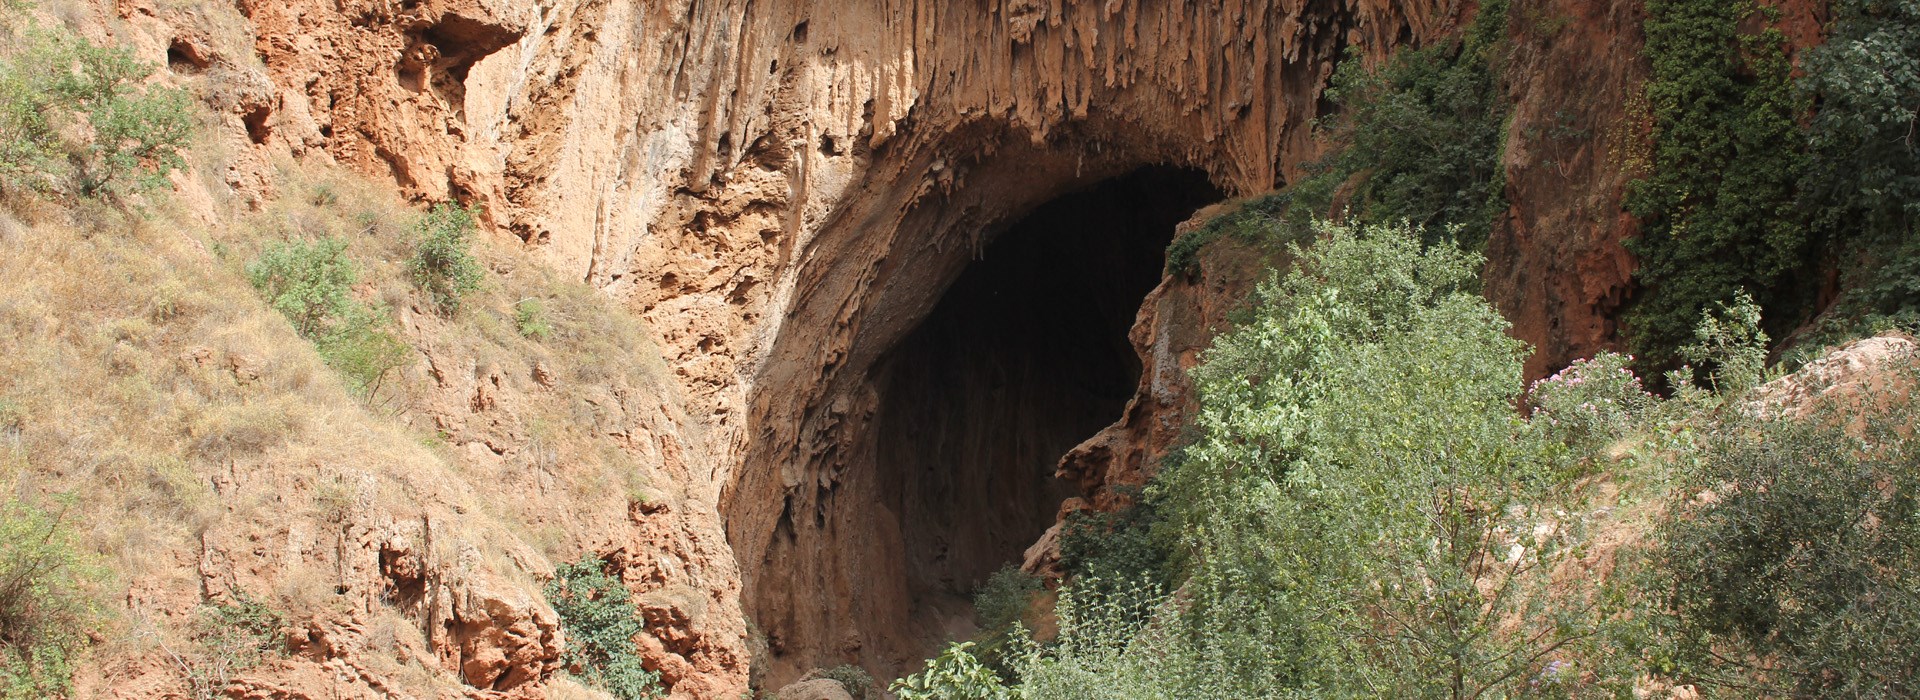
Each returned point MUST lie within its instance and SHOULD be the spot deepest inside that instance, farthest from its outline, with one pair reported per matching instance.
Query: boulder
(816, 689)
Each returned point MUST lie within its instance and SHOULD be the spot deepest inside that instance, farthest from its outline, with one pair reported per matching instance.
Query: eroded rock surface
(785, 190)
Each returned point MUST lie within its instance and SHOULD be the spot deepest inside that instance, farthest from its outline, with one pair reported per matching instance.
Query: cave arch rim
(807, 432)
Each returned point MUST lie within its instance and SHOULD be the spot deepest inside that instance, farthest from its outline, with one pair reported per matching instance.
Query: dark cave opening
(1024, 356)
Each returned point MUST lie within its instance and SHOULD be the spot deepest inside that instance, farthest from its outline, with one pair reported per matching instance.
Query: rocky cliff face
(784, 191)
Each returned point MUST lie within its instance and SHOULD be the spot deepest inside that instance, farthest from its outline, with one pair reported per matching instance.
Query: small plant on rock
(855, 679)
(310, 283)
(956, 674)
(600, 622)
(530, 318)
(229, 638)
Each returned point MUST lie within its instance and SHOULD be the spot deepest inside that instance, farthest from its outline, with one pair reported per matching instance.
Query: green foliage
(442, 266)
(1796, 576)
(1005, 597)
(1590, 403)
(1863, 181)
(1419, 138)
(530, 318)
(46, 609)
(1126, 545)
(75, 117)
(363, 351)
(1360, 513)
(956, 674)
(600, 622)
(311, 284)
(1731, 345)
(1260, 219)
(1718, 208)
(229, 639)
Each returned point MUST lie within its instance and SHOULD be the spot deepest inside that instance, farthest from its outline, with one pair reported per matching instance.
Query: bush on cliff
(75, 118)
(310, 282)
(46, 609)
(442, 266)
(1795, 572)
(600, 621)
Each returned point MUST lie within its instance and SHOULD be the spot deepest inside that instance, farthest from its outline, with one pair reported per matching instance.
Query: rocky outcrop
(1882, 369)
(816, 689)
(784, 192)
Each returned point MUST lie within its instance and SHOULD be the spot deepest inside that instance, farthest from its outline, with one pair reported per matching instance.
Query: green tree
(1362, 511)
(74, 117)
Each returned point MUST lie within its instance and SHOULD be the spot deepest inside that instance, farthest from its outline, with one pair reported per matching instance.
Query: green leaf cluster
(1419, 138)
(1718, 208)
(530, 318)
(600, 622)
(75, 118)
(956, 674)
(311, 283)
(1797, 572)
(1862, 186)
(1262, 219)
(46, 607)
(442, 264)
(1361, 511)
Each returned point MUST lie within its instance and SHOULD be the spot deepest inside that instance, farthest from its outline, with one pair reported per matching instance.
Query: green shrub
(1730, 346)
(1260, 219)
(1718, 209)
(75, 117)
(530, 318)
(1005, 597)
(600, 622)
(442, 266)
(855, 679)
(229, 639)
(1591, 403)
(1797, 575)
(363, 351)
(1420, 138)
(954, 675)
(46, 608)
(311, 284)
(1125, 545)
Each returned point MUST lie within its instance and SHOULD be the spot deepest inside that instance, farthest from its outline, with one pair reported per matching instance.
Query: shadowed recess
(1024, 356)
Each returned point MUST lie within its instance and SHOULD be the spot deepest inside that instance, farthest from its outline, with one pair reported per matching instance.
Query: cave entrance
(1023, 357)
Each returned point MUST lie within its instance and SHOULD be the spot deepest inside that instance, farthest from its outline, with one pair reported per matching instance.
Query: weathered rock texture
(784, 191)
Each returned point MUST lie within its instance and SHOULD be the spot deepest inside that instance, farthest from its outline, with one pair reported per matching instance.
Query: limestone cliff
(784, 191)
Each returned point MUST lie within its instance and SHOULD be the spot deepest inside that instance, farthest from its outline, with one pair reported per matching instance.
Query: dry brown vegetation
(212, 451)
